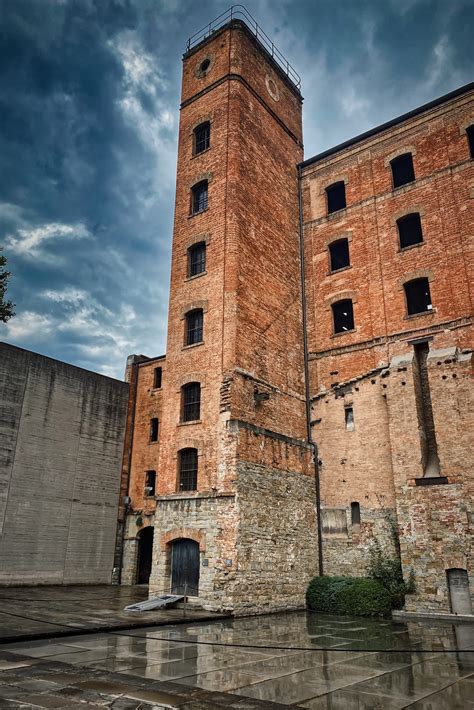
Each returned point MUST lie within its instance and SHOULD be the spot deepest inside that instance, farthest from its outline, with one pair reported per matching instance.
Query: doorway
(458, 583)
(145, 555)
(185, 567)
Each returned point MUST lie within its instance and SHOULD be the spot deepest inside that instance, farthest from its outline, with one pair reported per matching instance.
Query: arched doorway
(185, 567)
(145, 554)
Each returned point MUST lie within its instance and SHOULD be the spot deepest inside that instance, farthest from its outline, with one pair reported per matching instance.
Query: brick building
(367, 356)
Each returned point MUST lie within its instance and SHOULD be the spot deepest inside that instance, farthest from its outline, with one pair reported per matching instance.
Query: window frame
(397, 161)
(406, 286)
(335, 304)
(188, 339)
(196, 207)
(331, 188)
(193, 470)
(157, 378)
(207, 138)
(148, 475)
(154, 430)
(193, 248)
(404, 219)
(190, 403)
(329, 247)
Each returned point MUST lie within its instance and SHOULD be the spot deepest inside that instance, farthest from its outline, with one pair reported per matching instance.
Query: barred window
(191, 402)
(418, 296)
(343, 316)
(188, 469)
(409, 230)
(336, 196)
(403, 171)
(194, 326)
(197, 259)
(202, 136)
(199, 199)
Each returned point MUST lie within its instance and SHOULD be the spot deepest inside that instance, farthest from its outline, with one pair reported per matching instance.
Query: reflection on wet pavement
(319, 662)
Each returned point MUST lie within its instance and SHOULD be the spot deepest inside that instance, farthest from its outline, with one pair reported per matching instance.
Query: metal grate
(239, 12)
(188, 469)
(191, 402)
(194, 327)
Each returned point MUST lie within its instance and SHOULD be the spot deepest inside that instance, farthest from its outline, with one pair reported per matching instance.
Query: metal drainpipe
(306, 377)
(134, 383)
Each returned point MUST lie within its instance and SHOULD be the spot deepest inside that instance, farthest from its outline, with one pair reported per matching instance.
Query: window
(339, 254)
(349, 417)
(409, 230)
(157, 378)
(191, 399)
(402, 170)
(188, 469)
(202, 135)
(343, 316)
(194, 327)
(154, 425)
(470, 139)
(418, 296)
(336, 196)
(355, 513)
(197, 259)
(199, 197)
(150, 483)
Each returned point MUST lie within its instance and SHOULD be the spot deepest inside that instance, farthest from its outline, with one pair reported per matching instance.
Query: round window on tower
(272, 88)
(203, 67)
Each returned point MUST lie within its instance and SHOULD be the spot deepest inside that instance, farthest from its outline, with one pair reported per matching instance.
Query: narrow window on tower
(343, 316)
(403, 171)
(417, 293)
(199, 199)
(154, 426)
(197, 259)
(336, 196)
(191, 402)
(409, 230)
(339, 254)
(202, 136)
(470, 139)
(188, 469)
(157, 375)
(150, 483)
(355, 513)
(349, 418)
(194, 326)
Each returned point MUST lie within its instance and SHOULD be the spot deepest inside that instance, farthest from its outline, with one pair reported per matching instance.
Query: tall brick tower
(235, 491)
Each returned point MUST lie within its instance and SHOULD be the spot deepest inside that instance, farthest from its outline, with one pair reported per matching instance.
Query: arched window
(202, 136)
(403, 171)
(199, 199)
(470, 139)
(336, 196)
(409, 230)
(197, 259)
(343, 315)
(191, 402)
(339, 254)
(188, 469)
(194, 326)
(418, 296)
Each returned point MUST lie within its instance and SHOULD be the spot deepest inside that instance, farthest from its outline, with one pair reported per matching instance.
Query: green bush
(389, 573)
(359, 596)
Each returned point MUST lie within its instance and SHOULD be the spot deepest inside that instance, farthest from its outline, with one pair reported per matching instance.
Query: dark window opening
(199, 199)
(188, 469)
(336, 197)
(403, 171)
(191, 394)
(205, 64)
(343, 316)
(470, 139)
(349, 418)
(157, 375)
(339, 254)
(409, 230)
(202, 136)
(197, 259)
(418, 296)
(154, 425)
(194, 327)
(150, 483)
(355, 513)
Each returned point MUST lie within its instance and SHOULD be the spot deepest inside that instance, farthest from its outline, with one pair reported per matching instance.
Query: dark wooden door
(185, 567)
(145, 555)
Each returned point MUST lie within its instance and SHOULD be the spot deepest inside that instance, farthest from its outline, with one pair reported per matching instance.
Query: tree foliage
(357, 596)
(6, 307)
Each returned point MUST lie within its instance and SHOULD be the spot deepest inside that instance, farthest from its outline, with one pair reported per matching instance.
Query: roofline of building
(389, 124)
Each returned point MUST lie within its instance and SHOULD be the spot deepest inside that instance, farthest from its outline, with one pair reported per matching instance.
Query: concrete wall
(61, 440)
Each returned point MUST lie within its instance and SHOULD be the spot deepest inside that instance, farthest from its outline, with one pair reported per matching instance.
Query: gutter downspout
(307, 389)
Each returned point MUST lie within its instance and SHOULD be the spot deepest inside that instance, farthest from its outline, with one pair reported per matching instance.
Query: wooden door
(185, 567)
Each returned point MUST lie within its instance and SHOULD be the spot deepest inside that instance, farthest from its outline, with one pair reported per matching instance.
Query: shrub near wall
(358, 596)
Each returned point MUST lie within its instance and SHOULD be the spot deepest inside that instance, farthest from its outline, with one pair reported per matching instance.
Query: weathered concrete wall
(61, 444)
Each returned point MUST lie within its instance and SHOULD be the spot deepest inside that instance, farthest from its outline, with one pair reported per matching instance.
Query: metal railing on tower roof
(239, 12)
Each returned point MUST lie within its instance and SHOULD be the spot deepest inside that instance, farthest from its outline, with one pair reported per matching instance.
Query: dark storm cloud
(89, 112)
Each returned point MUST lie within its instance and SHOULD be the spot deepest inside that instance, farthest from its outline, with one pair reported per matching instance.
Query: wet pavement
(27, 612)
(299, 658)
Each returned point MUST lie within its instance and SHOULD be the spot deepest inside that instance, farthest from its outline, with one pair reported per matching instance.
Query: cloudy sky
(88, 128)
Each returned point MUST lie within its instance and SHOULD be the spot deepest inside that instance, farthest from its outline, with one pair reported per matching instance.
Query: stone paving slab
(42, 612)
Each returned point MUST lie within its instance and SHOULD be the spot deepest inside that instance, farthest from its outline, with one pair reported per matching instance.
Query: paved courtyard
(303, 659)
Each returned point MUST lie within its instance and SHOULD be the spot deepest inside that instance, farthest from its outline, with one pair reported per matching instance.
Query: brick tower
(235, 490)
